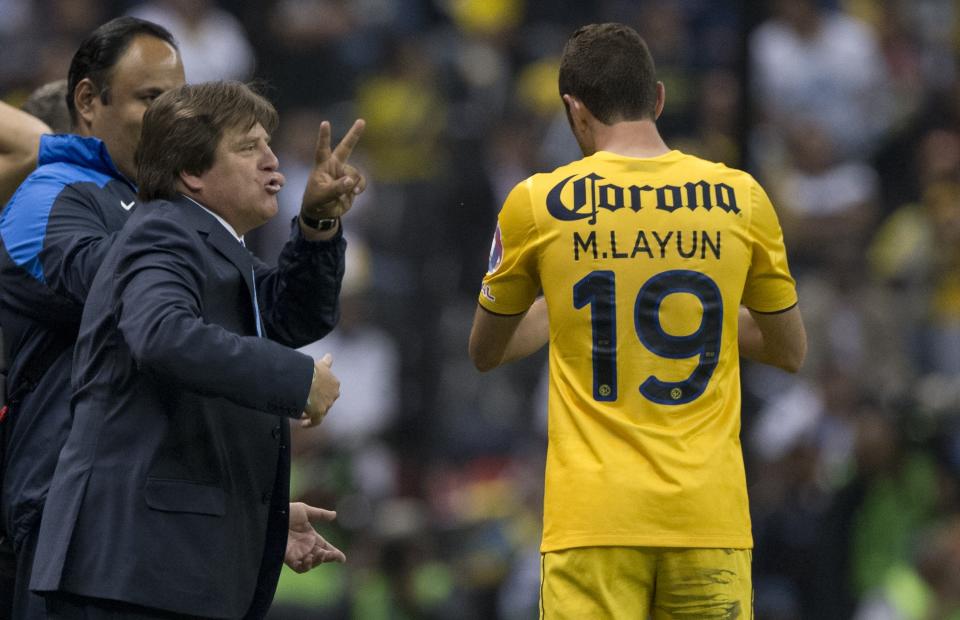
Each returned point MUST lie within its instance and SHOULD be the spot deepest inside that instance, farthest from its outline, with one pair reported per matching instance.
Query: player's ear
(576, 111)
(661, 99)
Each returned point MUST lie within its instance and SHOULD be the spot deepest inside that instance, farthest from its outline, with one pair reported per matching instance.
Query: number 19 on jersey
(598, 290)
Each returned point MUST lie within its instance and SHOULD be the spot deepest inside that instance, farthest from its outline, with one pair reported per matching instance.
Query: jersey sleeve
(769, 286)
(512, 281)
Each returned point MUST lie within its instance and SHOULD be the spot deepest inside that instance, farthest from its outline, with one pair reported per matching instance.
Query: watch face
(317, 223)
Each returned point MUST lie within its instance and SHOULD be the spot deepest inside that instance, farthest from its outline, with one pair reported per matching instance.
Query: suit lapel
(222, 241)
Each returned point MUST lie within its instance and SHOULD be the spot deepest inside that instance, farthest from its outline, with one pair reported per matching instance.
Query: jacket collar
(85, 151)
(219, 237)
(223, 222)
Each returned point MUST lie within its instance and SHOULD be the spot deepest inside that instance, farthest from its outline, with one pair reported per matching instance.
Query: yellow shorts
(646, 582)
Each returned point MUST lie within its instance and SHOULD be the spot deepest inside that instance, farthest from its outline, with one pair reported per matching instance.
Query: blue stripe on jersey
(23, 224)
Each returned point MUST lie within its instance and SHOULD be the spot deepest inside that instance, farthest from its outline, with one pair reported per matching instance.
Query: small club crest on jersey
(496, 252)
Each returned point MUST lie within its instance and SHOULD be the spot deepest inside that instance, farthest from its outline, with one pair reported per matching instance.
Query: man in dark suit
(171, 493)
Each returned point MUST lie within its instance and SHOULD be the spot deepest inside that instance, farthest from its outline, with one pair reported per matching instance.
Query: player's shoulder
(544, 181)
(575, 167)
(538, 185)
(715, 169)
(740, 181)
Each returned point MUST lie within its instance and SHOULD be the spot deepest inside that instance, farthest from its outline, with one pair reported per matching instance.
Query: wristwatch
(319, 224)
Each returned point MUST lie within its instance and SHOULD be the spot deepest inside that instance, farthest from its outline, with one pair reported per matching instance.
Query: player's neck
(630, 139)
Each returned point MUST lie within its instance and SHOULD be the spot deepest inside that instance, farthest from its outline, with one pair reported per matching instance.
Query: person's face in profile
(148, 68)
(243, 183)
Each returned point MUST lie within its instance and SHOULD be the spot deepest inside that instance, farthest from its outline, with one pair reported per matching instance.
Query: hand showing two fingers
(333, 183)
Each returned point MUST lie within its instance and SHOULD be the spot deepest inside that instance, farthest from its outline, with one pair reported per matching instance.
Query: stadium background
(846, 110)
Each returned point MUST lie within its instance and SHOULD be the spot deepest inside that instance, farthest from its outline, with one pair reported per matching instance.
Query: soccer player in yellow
(658, 271)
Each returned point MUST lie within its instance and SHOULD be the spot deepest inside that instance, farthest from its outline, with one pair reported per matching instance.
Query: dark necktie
(256, 304)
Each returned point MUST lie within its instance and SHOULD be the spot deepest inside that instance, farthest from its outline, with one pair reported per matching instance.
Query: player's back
(644, 264)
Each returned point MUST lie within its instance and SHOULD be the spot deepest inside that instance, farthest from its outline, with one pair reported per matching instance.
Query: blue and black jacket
(54, 233)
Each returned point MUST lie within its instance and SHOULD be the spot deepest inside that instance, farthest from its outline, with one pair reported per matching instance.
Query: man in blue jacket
(54, 233)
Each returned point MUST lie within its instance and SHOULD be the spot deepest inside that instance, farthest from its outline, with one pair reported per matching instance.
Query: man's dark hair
(99, 53)
(183, 126)
(48, 103)
(609, 68)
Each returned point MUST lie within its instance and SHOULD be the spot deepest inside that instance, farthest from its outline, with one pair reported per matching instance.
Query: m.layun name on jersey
(687, 244)
(590, 194)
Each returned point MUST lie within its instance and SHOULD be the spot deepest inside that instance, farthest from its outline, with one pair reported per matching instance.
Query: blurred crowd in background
(847, 111)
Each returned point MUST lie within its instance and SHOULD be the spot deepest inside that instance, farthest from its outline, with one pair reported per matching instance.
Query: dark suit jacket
(172, 488)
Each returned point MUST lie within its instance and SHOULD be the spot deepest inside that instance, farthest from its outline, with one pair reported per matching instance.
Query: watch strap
(319, 223)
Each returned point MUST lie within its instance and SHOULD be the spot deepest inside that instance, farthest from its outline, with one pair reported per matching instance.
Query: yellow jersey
(644, 264)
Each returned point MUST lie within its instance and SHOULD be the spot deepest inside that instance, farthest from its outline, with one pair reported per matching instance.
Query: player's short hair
(183, 126)
(609, 68)
(49, 104)
(102, 49)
